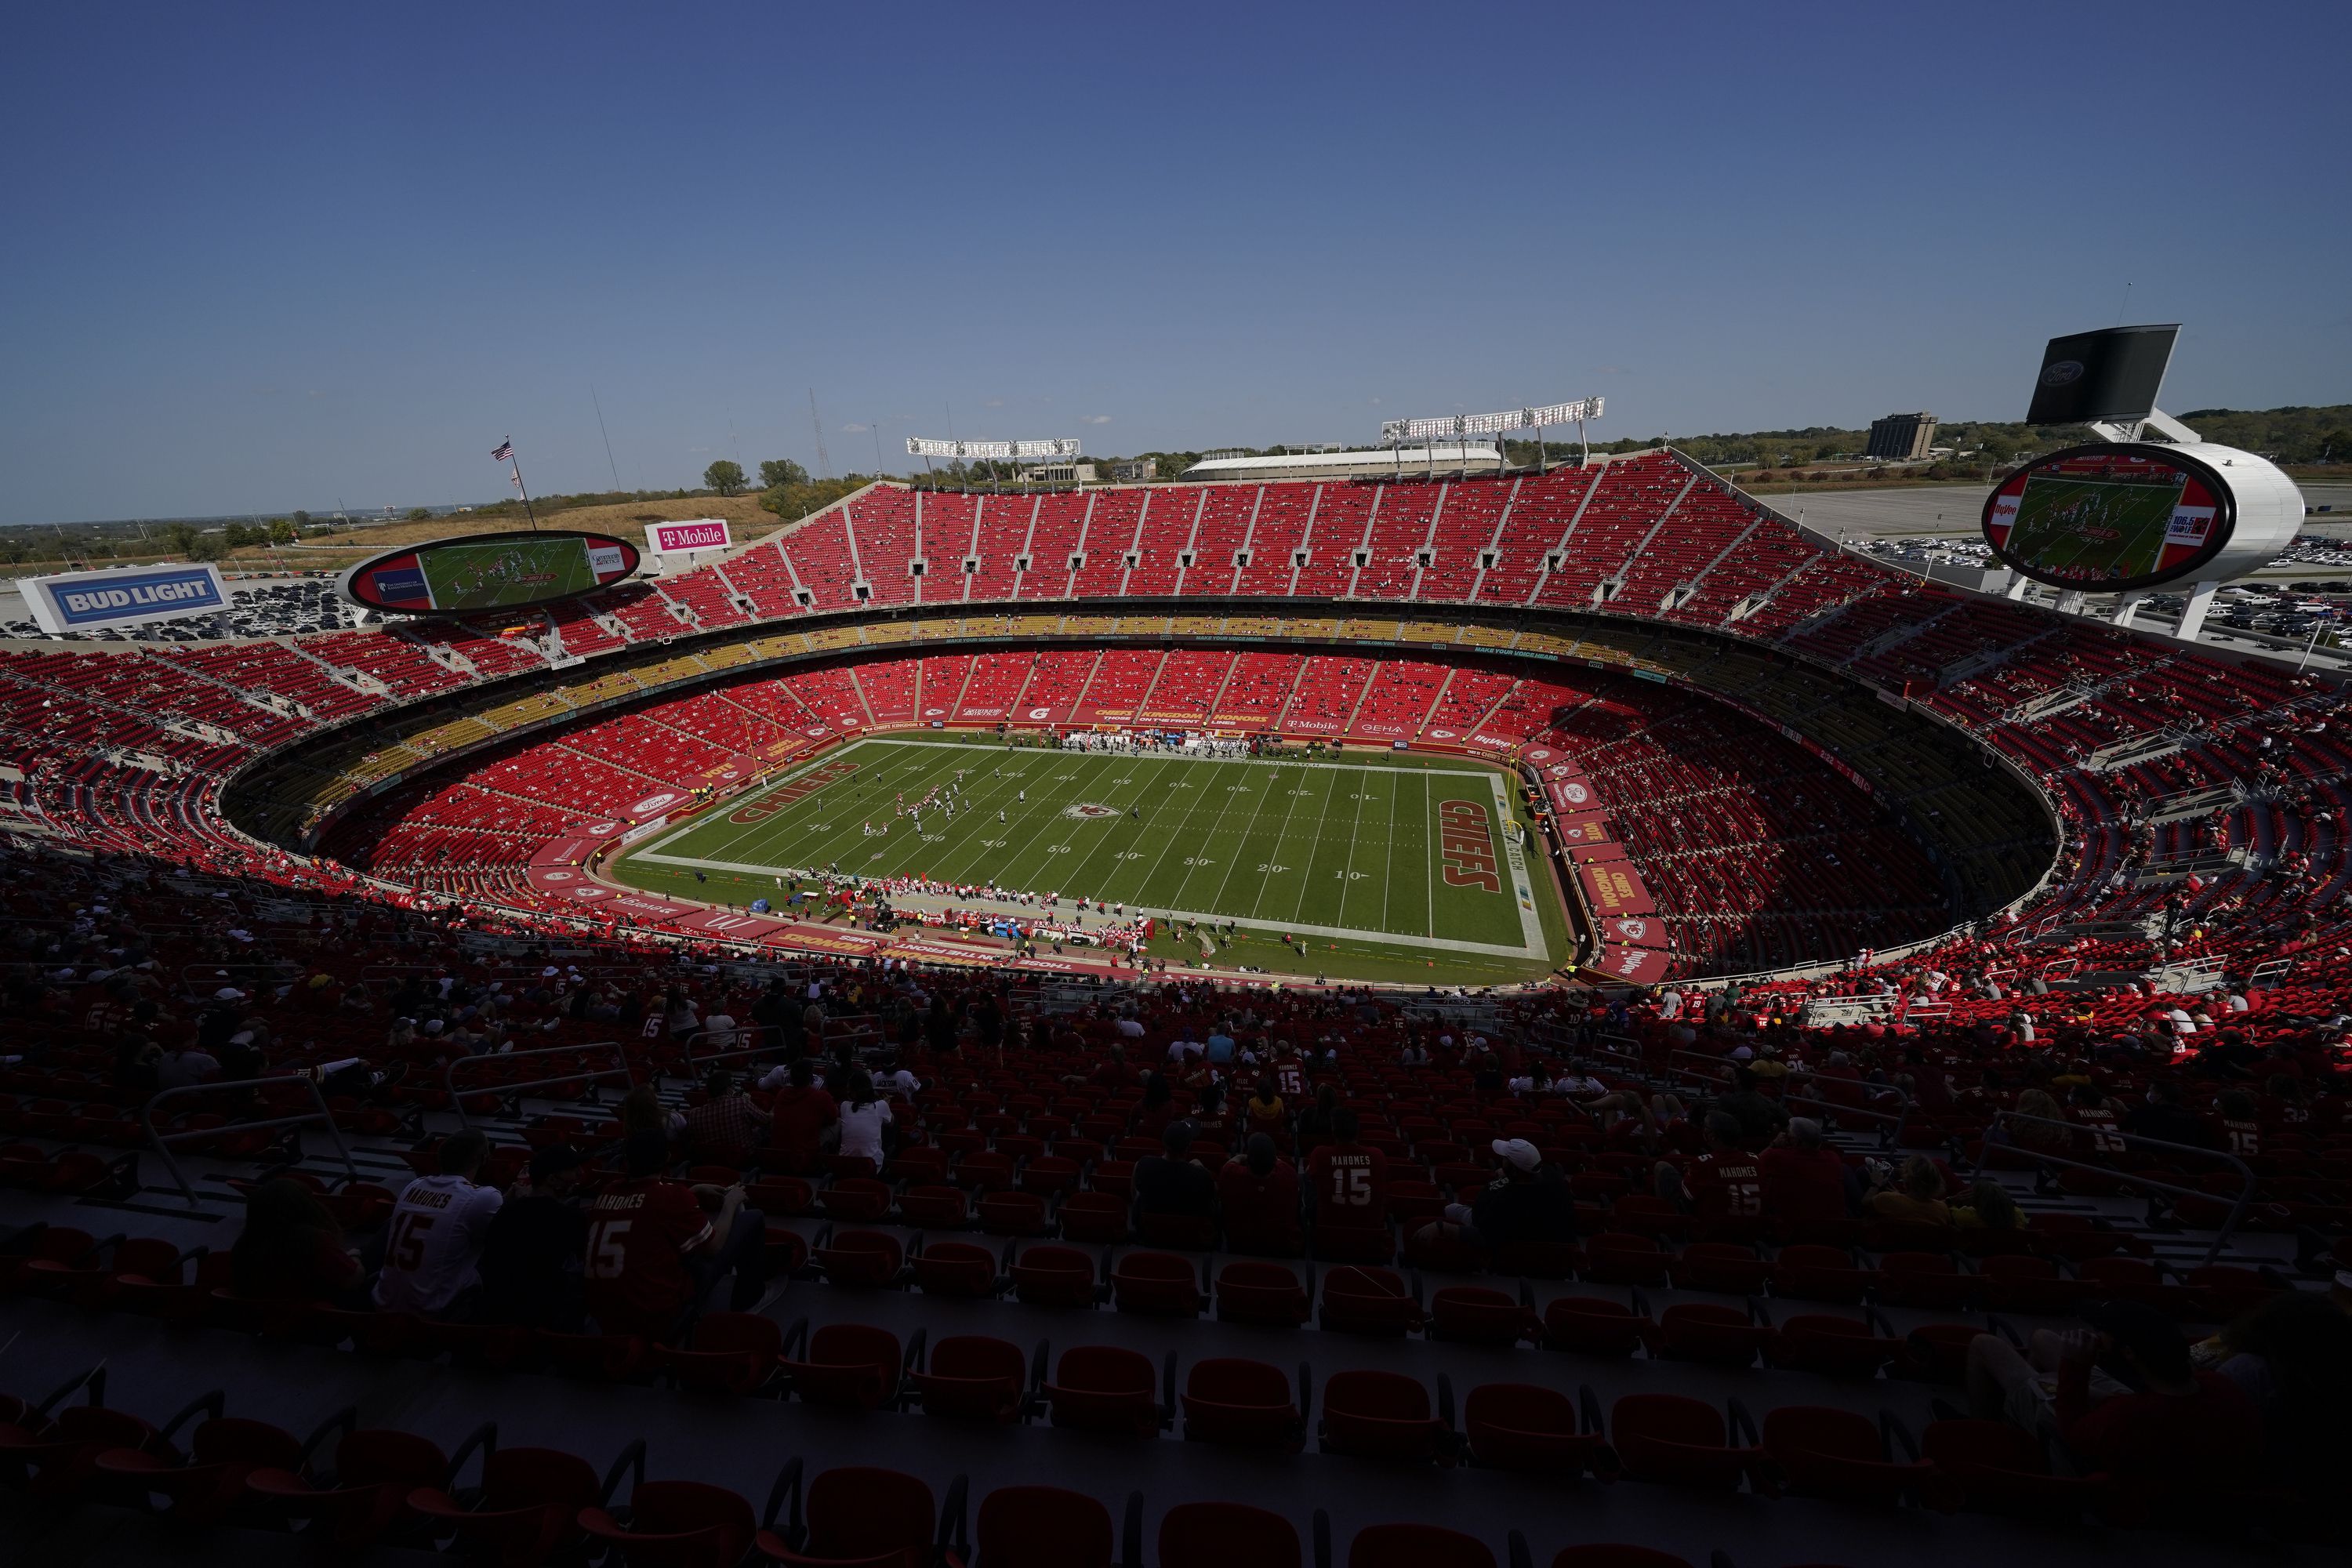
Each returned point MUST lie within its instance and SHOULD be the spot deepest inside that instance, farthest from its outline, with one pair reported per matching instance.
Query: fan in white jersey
(433, 1245)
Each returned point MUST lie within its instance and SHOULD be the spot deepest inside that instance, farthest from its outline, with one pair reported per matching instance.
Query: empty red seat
(955, 1269)
(1107, 1388)
(1523, 1426)
(1810, 1272)
(858, 1515)
(974, 1378)
(1227, 1535)
(1611, 1259)
(935, 1206)
(2015, 1282)
(1048, 1525)
(1718, 1336)
(1382, 1416)
(1417, 1546)
(1676, 1441)
(1833, 1346)
(1839, 1454)
(1261, 1293)
(854, 1198)
(527, 1508)
(1244, 1403)
(851, 1365)
(1481, 1316)
(733, 1352)
(1723, 1265)
(1923, 1279)
(1369, 1301)
(1099, 1219)
(1053, 1277)
(1156, 1282)
(203, 1489)
(1600, 1554)
(676, 1524)
(352, 1503)
(1593, 1325)
(861, 1257)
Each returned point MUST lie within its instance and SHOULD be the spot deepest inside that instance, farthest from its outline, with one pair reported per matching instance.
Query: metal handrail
(164, 1140)
(2237, 1209)
(456, 1096)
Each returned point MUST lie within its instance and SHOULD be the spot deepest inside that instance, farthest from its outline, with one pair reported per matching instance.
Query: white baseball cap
(1518, 1152)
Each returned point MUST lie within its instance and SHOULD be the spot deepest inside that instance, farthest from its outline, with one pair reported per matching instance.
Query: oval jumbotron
(477, 572)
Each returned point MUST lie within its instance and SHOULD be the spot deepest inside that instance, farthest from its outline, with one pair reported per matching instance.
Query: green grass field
(1385, 866)
(2093, 528)
(509, 572)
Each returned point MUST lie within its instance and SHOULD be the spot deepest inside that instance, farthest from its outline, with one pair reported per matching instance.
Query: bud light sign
(695, 533)
(125, 596)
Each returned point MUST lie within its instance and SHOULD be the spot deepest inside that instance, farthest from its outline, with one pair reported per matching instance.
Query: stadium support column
(2127, 608)
(2192, 613)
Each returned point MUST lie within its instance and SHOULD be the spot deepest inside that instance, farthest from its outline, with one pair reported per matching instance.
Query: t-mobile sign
(695, 533)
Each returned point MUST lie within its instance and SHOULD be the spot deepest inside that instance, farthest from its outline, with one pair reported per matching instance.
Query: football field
(2092, 529)
(1382, 866)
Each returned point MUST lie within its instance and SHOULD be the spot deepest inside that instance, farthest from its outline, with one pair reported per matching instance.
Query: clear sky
(263, 257)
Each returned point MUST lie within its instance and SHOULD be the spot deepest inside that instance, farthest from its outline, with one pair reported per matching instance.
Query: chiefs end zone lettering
(801, 788)
(1465, 840)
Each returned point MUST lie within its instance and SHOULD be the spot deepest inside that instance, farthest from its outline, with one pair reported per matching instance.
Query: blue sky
(258, 259)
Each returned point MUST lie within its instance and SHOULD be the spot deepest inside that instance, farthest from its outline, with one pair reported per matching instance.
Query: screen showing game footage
(490, 572)
(2108, 517)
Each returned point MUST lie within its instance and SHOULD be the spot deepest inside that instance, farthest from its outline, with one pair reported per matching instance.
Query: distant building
(1059, 474)
(1134, 471)
(1902, 437)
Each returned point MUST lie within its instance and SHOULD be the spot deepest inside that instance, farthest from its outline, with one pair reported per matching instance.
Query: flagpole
(526, 494)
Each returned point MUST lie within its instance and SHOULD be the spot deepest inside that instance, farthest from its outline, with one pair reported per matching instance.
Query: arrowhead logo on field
(1085, 809)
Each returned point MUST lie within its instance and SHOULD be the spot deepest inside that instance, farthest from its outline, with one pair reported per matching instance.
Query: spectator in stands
(1259, 1191)
(725, 1128)
(530, 1263)
(866, 1126)
(292, 1249)
(2292, 1356)
(1989, 1207)
(2039, 1135)
(1722, 1185)
(184, 1066)
(433, 1240)
(1350, 1181)
(1315, 1122)
(1209, 1119)
(642, 1111)
(1172, 1183)
(1530, 1204)
(2127, 1399)
(1805, 1182)
(1915, 1195)
(1264, 1114)
(1758, 1117)
(799, 1115)
(2163, 1116)
(1159, 1105)
(1111, 1073)
(655, 1246)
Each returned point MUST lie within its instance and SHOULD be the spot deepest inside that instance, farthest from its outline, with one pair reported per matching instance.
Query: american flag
(505, 451)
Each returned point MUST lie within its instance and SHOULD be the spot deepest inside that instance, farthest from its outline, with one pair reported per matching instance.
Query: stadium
(1473, 1001)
